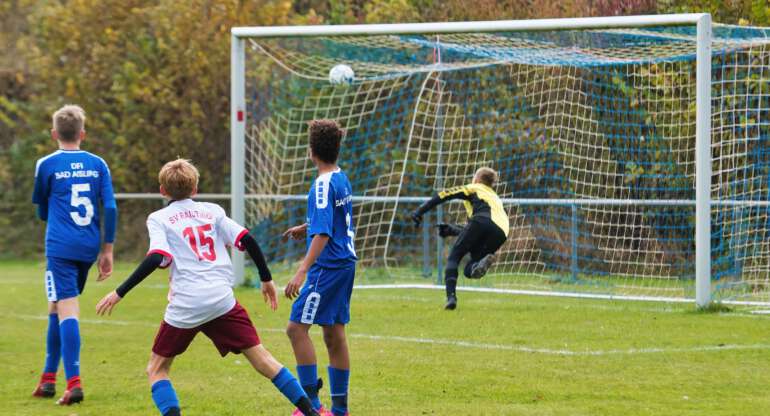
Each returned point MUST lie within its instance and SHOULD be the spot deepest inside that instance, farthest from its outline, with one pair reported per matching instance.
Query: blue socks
(288, 385)
(338, 380)
(69, 332)
(53, 345)
(308, 378)
(164, 396)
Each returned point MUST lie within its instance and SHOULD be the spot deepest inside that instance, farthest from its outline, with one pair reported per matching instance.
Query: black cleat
(45, 390)
(480, 269)
(174, 411)
(451, 303)
(71, 397)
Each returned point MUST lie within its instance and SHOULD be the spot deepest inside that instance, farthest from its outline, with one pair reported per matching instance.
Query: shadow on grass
(714, 307)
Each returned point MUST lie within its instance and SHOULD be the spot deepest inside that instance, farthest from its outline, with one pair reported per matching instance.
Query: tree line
(153, 76)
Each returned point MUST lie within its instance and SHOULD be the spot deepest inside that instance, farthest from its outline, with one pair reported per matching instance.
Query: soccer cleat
(320, 412)
(451, 303)
(71, 397)
(480, 269)
(45, 390)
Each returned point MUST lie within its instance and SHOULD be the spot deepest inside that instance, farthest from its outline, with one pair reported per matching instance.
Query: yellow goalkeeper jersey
(480, 201)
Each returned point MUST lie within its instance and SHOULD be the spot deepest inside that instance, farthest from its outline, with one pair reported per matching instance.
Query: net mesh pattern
(602, 116)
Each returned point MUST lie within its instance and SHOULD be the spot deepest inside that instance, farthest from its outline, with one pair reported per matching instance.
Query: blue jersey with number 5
(70, 185)
(330, 212)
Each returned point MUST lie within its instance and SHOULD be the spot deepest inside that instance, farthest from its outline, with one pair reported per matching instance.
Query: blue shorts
(65, 278)
(325, 297)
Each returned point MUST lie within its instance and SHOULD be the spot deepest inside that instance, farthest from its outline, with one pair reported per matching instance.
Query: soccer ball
(341, 74)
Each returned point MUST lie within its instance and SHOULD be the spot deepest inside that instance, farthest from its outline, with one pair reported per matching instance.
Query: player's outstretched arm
(148, 265)
(295, 233)
(317, 245)
(460, 192)
(268, 288)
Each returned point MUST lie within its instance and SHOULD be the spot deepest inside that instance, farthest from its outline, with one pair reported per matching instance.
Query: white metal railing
(506, 201)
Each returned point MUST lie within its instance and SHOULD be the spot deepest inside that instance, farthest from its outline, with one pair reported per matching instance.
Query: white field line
(466, 289)
(545, 293)
(749, 314)
(464, 344)
(558, 294)
(529, 292)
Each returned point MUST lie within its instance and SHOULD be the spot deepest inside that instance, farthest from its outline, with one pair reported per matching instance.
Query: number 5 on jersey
(202, 241)
(77, 200)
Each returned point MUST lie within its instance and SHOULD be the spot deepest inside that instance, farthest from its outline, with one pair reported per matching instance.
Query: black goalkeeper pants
(479, 237)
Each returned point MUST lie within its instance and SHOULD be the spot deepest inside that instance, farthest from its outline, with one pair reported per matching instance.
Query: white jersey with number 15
(193, 238)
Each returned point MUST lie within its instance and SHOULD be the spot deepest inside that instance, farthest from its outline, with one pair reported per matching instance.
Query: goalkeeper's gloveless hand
(416, 218)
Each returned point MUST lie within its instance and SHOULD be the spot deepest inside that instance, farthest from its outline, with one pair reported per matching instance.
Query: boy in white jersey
(192, 238)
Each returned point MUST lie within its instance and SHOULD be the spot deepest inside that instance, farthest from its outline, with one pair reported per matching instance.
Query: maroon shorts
(231, 332)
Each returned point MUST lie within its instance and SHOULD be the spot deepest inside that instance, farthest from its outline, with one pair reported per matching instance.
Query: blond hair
(179, 179)
(68, 122)
(487, 176)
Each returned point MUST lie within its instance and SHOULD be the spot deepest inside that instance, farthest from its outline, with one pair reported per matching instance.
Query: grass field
(495, 355)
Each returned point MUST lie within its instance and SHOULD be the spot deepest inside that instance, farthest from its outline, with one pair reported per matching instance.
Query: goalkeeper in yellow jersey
(482, 236)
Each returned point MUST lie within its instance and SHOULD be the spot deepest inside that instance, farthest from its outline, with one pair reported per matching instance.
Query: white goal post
(702, 202)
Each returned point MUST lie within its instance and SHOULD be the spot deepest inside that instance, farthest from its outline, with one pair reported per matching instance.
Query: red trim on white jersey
(238, 244)
(164, 254)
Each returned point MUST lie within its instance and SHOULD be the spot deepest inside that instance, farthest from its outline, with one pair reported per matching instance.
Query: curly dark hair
(325, 137)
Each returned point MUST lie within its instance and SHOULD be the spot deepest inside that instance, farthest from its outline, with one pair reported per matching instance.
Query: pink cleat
(321, 412)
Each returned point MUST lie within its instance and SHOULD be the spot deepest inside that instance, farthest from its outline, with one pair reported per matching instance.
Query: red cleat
(45, 390)
(70, 397)
(47, 386)
(73, 394)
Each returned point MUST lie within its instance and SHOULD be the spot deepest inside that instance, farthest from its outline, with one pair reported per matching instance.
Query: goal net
(592, 132)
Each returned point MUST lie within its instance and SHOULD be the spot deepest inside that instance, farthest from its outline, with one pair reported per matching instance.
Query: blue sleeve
(40, 193)
(110, 222)
(321, 220)
(110, 207)
(42, 212)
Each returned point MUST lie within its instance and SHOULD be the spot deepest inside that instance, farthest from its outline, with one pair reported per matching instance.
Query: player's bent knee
(67, 308)
(158, 367)
(295, 331)
(467, 270)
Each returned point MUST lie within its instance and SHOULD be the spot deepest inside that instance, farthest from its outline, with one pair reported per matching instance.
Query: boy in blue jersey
(329, 266)
(70, 184)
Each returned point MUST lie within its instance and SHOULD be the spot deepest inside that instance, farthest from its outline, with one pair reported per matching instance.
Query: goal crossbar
(466, 27)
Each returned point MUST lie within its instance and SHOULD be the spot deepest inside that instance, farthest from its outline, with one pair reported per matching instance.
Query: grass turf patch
(497, 354)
